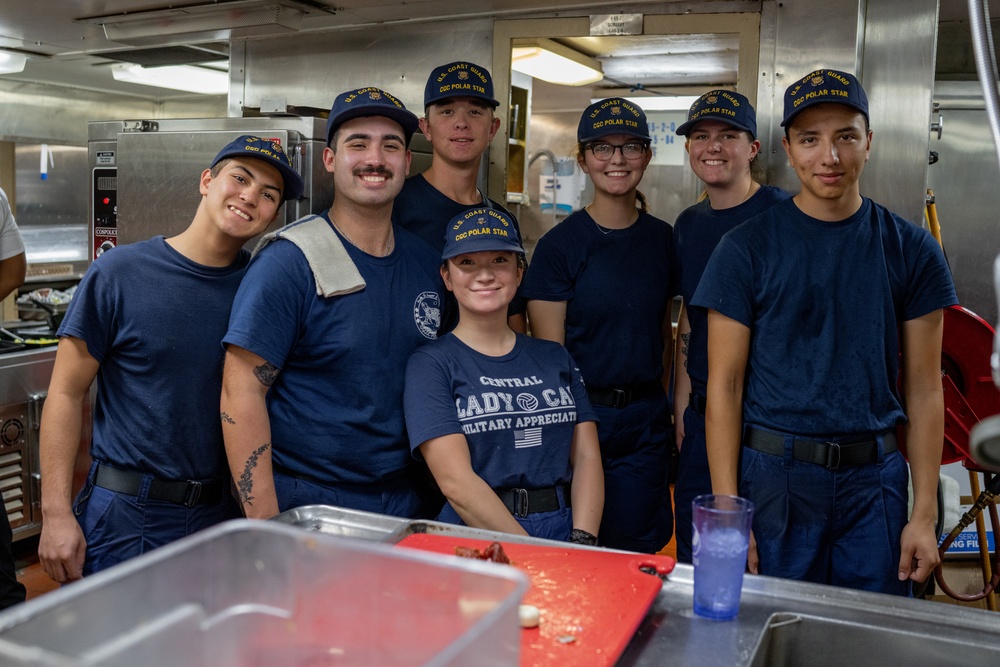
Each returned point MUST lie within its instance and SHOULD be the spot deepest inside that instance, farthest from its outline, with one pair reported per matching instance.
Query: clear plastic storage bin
(260, 594)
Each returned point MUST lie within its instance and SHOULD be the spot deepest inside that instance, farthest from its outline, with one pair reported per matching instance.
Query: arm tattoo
(227, 419)
(245, 485)
(267, 373)
(685, 341)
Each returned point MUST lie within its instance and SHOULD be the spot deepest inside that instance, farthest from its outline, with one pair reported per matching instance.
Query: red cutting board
(598, 598)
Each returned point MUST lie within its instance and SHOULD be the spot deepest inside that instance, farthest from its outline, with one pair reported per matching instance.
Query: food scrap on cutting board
(590, 602)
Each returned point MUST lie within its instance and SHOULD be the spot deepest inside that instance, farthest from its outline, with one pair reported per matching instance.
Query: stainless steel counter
(805, 624)
(839, 627)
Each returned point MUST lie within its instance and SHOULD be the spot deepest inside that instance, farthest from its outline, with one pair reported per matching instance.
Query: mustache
(379, 170)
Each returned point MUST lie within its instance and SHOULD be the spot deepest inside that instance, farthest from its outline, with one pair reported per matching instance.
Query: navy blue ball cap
(369, 101)
(459, 79)
(479, 230)
(723, 105)
(270, 151)
(613, 115)
(824, 86)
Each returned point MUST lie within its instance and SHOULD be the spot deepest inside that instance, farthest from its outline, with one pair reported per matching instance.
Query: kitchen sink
(791, 640)
(781, 622)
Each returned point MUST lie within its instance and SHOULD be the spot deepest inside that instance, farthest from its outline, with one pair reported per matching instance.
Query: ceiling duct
(204, 22)
(161, 56)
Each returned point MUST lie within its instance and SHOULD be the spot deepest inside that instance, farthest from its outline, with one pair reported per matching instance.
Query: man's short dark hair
(217, 167)
(868, 127)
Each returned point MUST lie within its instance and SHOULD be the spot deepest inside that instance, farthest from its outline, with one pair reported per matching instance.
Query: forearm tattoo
(267, 373)
(227, 419)
(685, 341)
(245, 486)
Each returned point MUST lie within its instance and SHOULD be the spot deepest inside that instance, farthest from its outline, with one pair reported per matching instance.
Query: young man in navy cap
(721, 143)
(459, 121)
(312, 400)
(815, 307)
(147, 321)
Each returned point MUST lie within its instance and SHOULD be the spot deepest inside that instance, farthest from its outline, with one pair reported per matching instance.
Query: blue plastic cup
(719, 546)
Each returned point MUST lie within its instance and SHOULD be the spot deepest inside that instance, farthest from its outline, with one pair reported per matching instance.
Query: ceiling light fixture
(11, 63)
(550, 61)
(188, 78)
(210, 21)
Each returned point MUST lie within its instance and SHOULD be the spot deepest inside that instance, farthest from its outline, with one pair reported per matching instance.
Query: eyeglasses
(630, 151)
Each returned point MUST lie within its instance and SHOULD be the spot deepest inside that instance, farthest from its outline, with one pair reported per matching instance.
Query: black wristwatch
(578, 536)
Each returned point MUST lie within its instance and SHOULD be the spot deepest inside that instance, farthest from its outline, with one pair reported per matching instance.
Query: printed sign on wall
(668, 148)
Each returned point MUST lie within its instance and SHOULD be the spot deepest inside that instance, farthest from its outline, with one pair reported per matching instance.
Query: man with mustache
(332, 307)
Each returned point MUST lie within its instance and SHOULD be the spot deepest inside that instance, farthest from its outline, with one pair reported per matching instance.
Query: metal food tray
(248, 593)
(382, 528)
(341, 521)
(438, 528)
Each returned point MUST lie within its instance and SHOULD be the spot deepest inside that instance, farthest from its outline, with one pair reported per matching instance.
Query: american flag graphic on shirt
(527, 437)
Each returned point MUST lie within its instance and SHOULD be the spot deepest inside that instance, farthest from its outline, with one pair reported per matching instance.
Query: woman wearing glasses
(600, 283)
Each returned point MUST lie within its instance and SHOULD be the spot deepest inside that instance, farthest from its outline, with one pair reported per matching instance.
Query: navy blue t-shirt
(697, 232)
(336, 407)
(517, 411)
(425, 211)
(617, 285)
(823, 301)
(154, 321)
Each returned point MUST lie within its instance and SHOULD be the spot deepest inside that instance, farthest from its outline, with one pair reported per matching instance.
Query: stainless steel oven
(144, 173)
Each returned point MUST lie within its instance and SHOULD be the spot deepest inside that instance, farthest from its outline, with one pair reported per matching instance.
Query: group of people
(375, 356)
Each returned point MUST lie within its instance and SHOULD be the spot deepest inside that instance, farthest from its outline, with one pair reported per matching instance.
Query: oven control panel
(104, 218)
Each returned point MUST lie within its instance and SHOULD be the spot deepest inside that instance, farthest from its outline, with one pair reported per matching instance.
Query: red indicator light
(107, 200)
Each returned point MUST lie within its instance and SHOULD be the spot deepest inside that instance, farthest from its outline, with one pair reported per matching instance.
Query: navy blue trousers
(118, 527)
(693, 479)
(828, 527)
(636, 449)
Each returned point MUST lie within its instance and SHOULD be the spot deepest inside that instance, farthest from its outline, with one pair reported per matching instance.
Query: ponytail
(758, 172)
(640, 200)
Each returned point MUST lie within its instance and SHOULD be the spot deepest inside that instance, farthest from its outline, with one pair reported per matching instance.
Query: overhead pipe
(985, 437)
(982, 46)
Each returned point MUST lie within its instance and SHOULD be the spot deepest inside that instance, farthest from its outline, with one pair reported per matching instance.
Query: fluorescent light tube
(550, 61)
(11, 63)
(188, 78)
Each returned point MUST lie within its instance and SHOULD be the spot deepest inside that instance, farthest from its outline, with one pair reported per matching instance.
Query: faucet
(544, 152)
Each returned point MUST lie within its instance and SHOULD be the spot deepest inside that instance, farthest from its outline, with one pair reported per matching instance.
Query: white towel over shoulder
(333, 269)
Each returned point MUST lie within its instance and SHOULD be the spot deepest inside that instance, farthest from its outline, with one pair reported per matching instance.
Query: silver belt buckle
(833, 456)
(520, 502)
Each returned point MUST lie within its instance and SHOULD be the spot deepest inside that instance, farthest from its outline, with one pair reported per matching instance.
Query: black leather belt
(619, 398)
(187, 493)
(522, 502)
(832, 455)
(697, 403)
